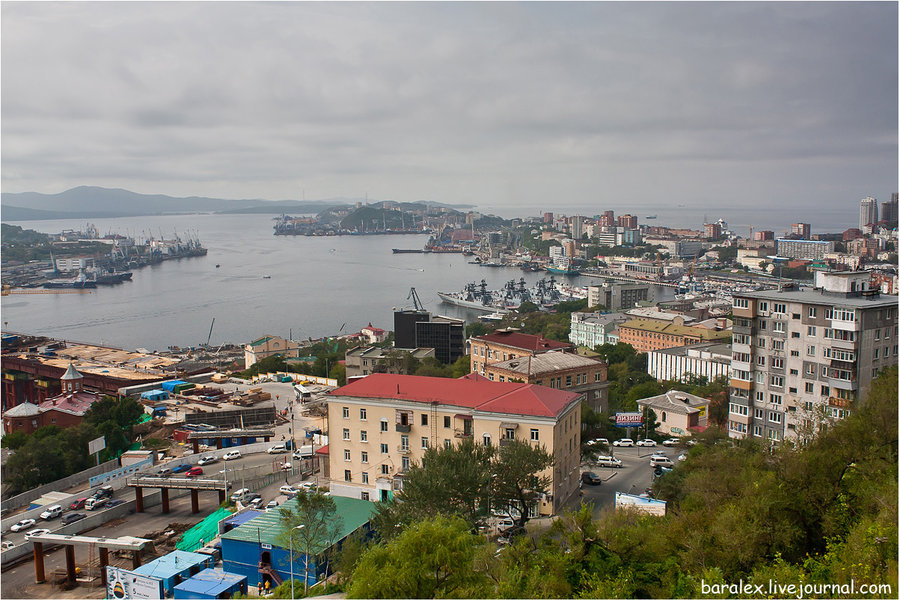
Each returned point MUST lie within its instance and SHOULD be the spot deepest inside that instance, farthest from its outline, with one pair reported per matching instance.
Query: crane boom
(417, 304)
(208, 338)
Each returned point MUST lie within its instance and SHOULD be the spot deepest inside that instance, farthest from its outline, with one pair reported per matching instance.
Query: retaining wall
(28, 496)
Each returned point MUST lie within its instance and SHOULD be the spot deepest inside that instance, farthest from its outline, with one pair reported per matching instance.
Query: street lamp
(291, 542)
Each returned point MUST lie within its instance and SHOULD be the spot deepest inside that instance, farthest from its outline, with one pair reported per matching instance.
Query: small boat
(492, 317)
(650, 217)
(267, 277)
(217, 265)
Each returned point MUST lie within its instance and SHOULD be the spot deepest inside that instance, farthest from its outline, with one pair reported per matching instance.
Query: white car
(207, 459)
(37, 532)
(660, 461)
(671, 442)
(682, 457)
(623, 442)
(287, 489)
(608, 461)
(231, 455)
(54, 511)
(286, 465)
(278, 448)
(22, 525)
(646, 443)
(597, 441)
(271, 505)
(6, 545)
(240, 494)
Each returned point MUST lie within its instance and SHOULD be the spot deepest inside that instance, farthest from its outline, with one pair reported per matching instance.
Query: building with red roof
(63, 410)
(381, 424)
(509, 343)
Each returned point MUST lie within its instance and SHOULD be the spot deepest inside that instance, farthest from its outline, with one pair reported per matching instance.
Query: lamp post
(291, 541)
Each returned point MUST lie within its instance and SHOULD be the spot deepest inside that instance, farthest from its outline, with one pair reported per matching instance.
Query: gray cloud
(508, 104)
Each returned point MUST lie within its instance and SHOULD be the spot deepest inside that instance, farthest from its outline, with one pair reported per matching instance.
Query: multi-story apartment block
(617, 295)
(593, 329)
(712, 231)
(363, 360)
(566, 371)
(509, 344)
(868, 212)
(801, 229)
(382, 424)
(889, 211)
(710, 361)
(803, 249)
(652, 335)
(801, 357)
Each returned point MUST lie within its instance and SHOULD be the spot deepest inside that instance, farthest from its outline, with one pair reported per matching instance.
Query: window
(777, 381)
(738, 409)
(362, 414)
(795, 353)
(346, 454)
(773, 435)
(778, 362)
(811, 311)
(535, 434)
(363, 436)
(384, 425)
(811, 330)
(446, 421)
(760, 395)
(778, 326)
(597, 377)
(737, 427)
(775, 417)
(384, 448)
(404, 463)
(424, 442)
(762, 324)
(808, 387)
(364, 495)
(568, 381)
(779, 308)
(763, 306)
(826, 391)
(761, 342)
(365, 480)
(486, 439)
(404, 442)
(758, 413)
(364, 456)
(778, 345)
(775, 399)
(878, 334)
(761, 360)
(384, 469)
(345, 411)
(348, 477)
(741, 303)
(795, 316)
(795, 334)
(757, 430)
(346, 434)
(876, 354)
(424, 419)
(794, 372)
(446, 443)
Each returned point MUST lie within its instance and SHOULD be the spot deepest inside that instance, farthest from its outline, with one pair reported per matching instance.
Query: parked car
(608, 461)
(194, 471)
(6, 545)
(277, 448)
(256, 502)
(623, 442)
(657, 460)
(287, 489)
(22, 525)
(591, 478)
(505, 524)
(597, 441)
(240, 494)
(78, 503)
(104, 492)
(179, 469)
(671, 442)
(660, 470)
(37, 532)
(72, 517)
(286, 465)
(113, 502)
(231, 455)
(271, 505)
(94, 503)
(164, 471)
(646, 443)
(52, 512)
(207, 459)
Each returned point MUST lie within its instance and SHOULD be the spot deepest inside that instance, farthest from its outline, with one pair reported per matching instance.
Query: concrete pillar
(196, 445)
(195, 501)
(70, 563)
(135, 559)
(165, 499)
(138, 499)
(38, 563)
(104, 561)
(221, 496)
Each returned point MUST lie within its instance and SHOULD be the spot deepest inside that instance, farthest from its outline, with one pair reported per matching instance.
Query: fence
(28, 496)
(276, 377)
(112, 476)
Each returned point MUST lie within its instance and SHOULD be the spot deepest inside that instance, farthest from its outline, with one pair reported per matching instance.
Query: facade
(593, 329)
(509, 344)
(801, 357)
(868, 212)
(762, 235)
(616, 296)
(565, 371)
(678, 413)
(712, 231)
(420, 329)
(801, 229)
(710, 360)
(652, 335)
(889, 211)
(63, 411)
(382, 424)
(175, 567)
(629, 222)
(269, 346)
(803, 249)
(373, 335)
(362, 360)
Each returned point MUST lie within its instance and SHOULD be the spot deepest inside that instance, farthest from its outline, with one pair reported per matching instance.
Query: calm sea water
(317, 286)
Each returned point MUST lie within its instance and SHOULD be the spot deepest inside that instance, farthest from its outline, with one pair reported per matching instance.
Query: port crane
(417, 304)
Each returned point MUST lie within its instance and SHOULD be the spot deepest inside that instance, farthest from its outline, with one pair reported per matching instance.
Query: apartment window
(503, 378)
(778, 326)
(384, 448)
(758, 413)
(424, 442)
(757, 430)
(404, 442)
(384, 425)
(779, 308)
(345, 411)
(826, 391)
(446, 421)
(761, 360)
(794, 372)
(424, 419)
(346, 454)
(446, 443)
(778, 345)
(384, 469)
(810, 330)
(795, 334)
(792, 389)
(741, 303)
(364, 456)
(763, 306)
(795, 353)
(876, 354)
(362, 414)
(761, 342)
(777, 381)
(535, 434)
(775, 399)
(795, 316)
(348, 477)
(760, 395)
(346, 434)
(878, 334)
(762, 324)
(568, 381)
(363, 436)
(773, 435)
(811, 311)
(365, 480)
(491, 376)
(808, 387)
(808, 405)
(778, 362)
(486, 439)
(811, 370)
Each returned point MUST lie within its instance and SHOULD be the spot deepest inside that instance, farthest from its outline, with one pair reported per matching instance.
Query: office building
(421, 329)
(801, 229)
(889, 211)
(380, 425)
(615, 296)
(405, 327)
(868, 213)
(803, 357)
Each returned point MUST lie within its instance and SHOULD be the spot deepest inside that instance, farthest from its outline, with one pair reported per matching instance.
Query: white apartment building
(709, 360)
(803, 357)
(593, 329)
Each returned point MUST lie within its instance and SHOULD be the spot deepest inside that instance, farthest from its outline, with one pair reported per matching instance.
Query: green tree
(461, 367)
(517, 476)
(309, 524)
(431, 559)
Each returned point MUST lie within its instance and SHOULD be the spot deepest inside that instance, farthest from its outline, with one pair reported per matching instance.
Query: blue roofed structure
(239, 518)
(211, 584)
(175, 567)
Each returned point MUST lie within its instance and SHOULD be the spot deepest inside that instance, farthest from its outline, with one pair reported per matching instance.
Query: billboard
(122, 584)
(641, 504)
(628, 420)
(96, 445)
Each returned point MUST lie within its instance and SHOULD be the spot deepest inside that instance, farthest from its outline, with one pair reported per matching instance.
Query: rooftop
(211, 582)
(471, 392)
(599, 318)
(819, 297)
(25, 409)
(529, 342)
(675, 401)
(661, 327)
(718, 351)
(90, 359)
(655, 313)
(74, 403)
(545, 363)
(173, 563)
(376, 352)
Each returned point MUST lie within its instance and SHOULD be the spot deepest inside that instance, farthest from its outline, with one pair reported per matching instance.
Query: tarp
(170, 385)
(207, 529)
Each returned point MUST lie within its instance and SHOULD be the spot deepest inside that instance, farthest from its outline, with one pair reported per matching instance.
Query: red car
(78, 503)
(194, 471)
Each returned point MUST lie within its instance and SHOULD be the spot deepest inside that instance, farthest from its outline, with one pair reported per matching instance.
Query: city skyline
(514, 107)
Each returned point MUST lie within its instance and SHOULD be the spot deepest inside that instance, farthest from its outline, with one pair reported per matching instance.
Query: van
(94, 503)
(241, 494)
(277, 448)
(608, 461)
(660, 461)
(54, 511)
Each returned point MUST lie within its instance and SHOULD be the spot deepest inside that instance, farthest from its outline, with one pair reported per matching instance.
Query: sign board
(628, 420)
(266, 546)
(96, 445)
(641, 504)
(123, 584)
(702, 411)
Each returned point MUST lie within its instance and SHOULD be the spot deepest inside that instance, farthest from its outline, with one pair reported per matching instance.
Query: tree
(310, 523)
(517, 480)
(431, 559)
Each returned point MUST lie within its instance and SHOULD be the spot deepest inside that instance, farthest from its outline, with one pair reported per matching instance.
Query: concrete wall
(28, 496)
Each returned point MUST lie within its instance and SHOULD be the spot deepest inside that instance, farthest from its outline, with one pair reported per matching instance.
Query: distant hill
(92, 201)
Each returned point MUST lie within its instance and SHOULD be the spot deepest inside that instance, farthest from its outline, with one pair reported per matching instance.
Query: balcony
(403, 450)
(506, 441)
(462, 433)
(844, 345)
(404, 428)
(841, 403)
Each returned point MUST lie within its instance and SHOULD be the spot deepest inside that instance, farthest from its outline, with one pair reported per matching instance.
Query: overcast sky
(510, 106)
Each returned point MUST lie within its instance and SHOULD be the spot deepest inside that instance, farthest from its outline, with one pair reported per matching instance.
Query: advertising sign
(642, 504)
(96, 445)
(628, 420)
(122, 584)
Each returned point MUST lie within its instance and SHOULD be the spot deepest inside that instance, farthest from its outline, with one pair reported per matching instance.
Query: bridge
(103, 544)
(219, 435)
(195, 485)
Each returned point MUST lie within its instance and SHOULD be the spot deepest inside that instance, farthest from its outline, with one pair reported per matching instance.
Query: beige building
(382, 424)
(678, 413)
(362, 360)
(507, 344)
(268, 346)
